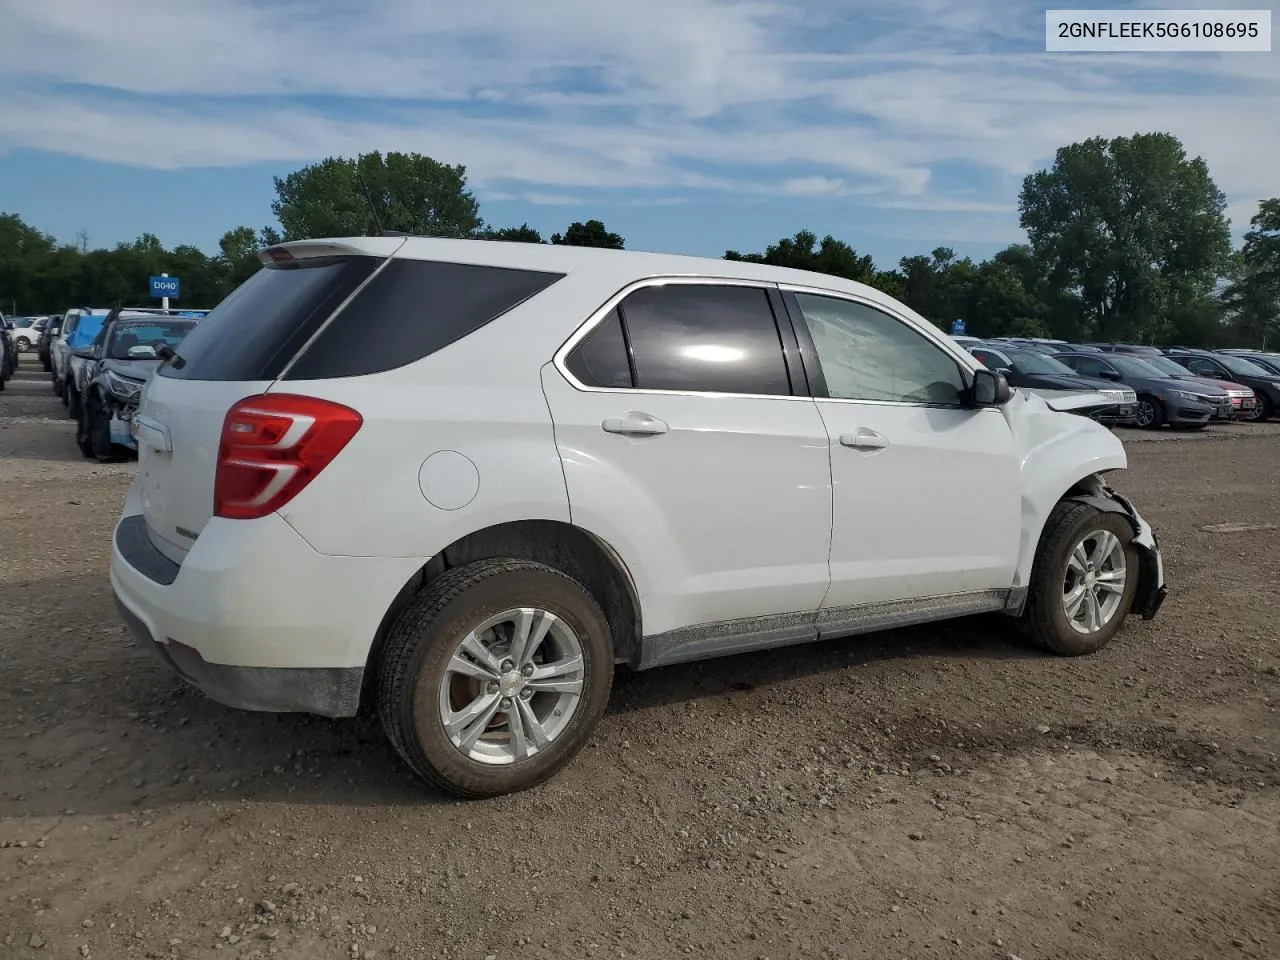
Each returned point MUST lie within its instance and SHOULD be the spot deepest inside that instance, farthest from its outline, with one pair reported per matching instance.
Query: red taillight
(272, 446)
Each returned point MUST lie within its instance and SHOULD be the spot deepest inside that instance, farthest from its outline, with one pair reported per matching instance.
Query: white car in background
(461, 480)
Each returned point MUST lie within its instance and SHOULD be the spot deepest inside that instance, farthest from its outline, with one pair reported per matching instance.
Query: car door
(688, 447)
(1206, 367)
(912, 466)
(1094, 367)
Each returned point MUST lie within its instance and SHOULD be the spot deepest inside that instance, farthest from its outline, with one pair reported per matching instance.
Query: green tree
(1251, 300)
(1132, 227)
(521, 234)
(239, 255)
(593, 233)
(830, 256)
(407, 192)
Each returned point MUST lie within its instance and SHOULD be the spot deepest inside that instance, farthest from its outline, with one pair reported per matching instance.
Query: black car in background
(1224, 366)
(50, 331)
(1263, 359)
(1037, 371)
(1161, 399)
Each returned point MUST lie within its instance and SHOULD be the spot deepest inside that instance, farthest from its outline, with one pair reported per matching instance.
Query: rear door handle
(634, 424)
(864, 439)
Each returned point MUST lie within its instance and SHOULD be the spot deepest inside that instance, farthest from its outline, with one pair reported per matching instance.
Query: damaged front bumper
(1152, 588)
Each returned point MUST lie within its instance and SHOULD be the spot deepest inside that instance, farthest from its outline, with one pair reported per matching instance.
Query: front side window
(868, 355)
(708, 338)
(1088, 366)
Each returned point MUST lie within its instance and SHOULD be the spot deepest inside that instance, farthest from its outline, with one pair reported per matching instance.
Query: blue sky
(689, 126)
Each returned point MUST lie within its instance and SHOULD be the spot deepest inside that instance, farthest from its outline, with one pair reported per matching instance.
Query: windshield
(1133, 367)
(136, 341)
(21, 322)
(1039, 365)
(1245, 368)
(1167, 366)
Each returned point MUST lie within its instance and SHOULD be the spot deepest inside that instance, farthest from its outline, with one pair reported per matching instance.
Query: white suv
(460, 480)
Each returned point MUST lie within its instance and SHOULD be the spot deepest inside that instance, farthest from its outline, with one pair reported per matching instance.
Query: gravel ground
(934, 792)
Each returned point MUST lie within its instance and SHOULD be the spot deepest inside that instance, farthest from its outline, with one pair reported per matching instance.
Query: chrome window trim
(597, 317)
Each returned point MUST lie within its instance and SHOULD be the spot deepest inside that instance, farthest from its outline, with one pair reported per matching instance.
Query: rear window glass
(255, 331)
(412, 309)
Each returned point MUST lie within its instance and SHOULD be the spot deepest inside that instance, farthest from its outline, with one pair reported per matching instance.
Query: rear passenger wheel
(1082, 582)
(495, 676)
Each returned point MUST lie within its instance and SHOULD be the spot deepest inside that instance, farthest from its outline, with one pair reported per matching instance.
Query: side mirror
(1110, 375)
(990, 389)
(84, 353)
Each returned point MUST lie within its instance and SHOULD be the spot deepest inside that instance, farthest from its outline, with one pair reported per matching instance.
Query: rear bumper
(253, 616)
(329, 692)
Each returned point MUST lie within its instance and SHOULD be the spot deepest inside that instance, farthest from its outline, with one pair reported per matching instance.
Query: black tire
(423, 640)
(1265, 409)
(1044, 620)
(23, 345)
(74, 404)
(1151, 415)
(98, 428)
(84, 439)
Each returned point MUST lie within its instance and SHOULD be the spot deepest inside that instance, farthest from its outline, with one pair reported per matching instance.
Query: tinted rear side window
(709, 338)
(253, 333)
(601, 359)
(412, 309)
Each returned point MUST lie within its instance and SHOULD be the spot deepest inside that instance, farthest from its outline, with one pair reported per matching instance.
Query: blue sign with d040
(165, 287)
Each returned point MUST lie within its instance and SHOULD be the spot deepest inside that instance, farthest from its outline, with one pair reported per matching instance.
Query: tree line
(1126, 239)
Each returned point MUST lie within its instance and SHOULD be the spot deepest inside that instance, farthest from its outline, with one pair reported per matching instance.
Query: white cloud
(874, 102)
(813, 187)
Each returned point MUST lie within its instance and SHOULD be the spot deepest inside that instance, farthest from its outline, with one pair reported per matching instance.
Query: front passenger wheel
(1083, 580)
(1151, 414)
(495, 676)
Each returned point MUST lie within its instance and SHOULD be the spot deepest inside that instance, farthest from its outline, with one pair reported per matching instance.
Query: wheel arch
(563, 546)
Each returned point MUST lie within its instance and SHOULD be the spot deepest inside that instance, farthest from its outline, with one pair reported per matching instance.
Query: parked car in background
(1138, 349)
(1262, 358)
(1244, 401)
(86, 330)
(8, 356)
(1161, 399)
(50, 333)
(117, 367)
(25, 332)
(328, 503)
(70, 337)
(1263, 382)
(1031, 370)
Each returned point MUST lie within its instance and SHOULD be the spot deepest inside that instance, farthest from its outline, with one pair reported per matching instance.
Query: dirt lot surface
(929, 793)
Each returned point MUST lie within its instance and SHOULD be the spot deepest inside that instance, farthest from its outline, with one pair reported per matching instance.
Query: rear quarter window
(410, 310)
(259, 328)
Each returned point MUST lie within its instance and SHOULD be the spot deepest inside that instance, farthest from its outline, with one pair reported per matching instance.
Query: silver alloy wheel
(512, 686)
(1095, 580)
(1146, 413)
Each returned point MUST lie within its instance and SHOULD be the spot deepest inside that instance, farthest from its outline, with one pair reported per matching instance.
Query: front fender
(1060, 453)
